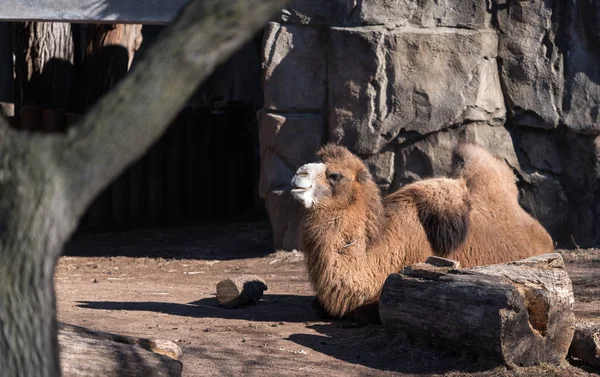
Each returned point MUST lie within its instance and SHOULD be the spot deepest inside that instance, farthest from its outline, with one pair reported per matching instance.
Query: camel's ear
(363, 176)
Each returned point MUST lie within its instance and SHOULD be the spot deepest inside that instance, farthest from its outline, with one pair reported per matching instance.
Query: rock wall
(400, 81)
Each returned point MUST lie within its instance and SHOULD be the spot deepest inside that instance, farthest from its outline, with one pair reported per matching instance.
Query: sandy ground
(161, 284)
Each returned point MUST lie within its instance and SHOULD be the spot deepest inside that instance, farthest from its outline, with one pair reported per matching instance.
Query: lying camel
(353, 238)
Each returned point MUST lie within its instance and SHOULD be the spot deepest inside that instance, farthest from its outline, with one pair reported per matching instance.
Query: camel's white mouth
(301, 189)
(303, 183)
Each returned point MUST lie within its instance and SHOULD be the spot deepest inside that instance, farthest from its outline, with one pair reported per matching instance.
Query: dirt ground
(161, 284)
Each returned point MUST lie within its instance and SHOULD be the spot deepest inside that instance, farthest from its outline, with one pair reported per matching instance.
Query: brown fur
(353, 238)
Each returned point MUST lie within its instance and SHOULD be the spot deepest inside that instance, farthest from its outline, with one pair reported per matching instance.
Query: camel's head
(334, 182)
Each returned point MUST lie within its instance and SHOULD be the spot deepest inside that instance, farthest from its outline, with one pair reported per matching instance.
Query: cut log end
(239, 291)
(519, 313)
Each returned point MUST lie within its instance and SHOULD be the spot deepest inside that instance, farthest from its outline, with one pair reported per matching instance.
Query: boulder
(530, 63)
(294, 67)
(295, 137)
(287, 141)
(284, 215)
(274, 173)
(470, 14)
(377, 12)
(581, 104)
(381, 167)
(388, 89)
(311, 12)
(431, 156)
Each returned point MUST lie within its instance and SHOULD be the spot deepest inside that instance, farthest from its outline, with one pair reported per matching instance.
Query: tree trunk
(48, 180)
(519, 313)
(89, 353)
(108, 56)
(44, 56)
(7, 97)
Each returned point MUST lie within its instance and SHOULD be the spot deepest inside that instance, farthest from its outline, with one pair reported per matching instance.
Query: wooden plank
(195, 120)
(30, 118)
(219, 173)
(91, 11)
(175, 160)
(207, 166)
(137, 193)
(119, 197)
(53, 120)
(155, 186)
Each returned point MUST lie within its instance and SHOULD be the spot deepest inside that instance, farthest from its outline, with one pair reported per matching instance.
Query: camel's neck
(337, 231)
(338, 248)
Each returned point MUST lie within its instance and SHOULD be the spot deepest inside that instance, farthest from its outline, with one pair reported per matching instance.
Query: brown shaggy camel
(353, 238)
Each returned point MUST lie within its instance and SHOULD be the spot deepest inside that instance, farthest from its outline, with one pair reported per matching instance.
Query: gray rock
(388, 89)
(581, 181)
(274, 173)
(472, 14)
(381, 167)
(294, 137)
(287, 141)
(377, 12)
(530, 63)
(311, 12)
(294, 67)
(543, 197)
(431, 156)
(581, 104)
(539, 150)
(284, 214)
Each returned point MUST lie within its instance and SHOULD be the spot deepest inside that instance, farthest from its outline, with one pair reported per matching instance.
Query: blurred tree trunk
(48, 180)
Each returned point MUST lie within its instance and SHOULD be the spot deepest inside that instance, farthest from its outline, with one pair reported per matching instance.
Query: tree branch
(124, 123)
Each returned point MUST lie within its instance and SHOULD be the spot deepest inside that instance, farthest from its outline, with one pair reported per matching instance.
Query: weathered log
(241, 290)
(586, 343)
(91, 353)
(519, 313)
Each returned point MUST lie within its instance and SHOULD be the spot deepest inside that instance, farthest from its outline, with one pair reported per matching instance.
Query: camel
(353, 238)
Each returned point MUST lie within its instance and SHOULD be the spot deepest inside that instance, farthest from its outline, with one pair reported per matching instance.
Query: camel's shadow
(372, 347)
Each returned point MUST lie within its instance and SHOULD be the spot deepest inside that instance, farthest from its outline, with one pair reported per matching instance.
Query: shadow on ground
(215, 242)
(371, 346)
(275, 308)
(364, 345)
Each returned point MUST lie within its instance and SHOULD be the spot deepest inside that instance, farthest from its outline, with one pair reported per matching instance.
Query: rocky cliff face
(400, 81)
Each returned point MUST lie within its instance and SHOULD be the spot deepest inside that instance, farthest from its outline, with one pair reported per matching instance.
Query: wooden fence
(204, 168)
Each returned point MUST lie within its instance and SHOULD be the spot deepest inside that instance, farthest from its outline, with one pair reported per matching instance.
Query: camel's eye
(335, 177)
